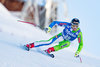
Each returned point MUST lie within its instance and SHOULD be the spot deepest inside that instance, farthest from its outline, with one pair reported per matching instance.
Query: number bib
(68, 34)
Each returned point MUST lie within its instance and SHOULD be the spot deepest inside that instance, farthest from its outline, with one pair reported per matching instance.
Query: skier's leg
(47, 42)
(44, 42)
(60, 46)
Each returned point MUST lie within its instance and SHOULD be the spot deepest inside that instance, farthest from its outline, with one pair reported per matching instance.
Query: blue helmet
(75, 20)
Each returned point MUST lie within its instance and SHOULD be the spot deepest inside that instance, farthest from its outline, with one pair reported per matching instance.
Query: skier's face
(75, 26)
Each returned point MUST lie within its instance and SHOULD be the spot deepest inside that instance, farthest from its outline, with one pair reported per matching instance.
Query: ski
(45, 53)
(51, 55)
(26, 48)
(40, 51)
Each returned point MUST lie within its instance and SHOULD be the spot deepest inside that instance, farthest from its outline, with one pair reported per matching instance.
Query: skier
(70, 33)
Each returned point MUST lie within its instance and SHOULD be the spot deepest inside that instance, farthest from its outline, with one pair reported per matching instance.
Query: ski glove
(48, 29)
(77, 54)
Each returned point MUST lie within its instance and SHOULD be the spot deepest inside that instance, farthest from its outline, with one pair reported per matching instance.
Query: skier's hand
(77, 54)
(47, 29)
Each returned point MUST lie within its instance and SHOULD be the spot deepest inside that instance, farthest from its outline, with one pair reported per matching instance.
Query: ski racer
(70, 32)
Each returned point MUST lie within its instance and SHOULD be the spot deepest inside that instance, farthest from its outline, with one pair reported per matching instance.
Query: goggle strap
(74, 23)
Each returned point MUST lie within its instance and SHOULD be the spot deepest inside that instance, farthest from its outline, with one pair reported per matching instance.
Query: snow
(14, 34)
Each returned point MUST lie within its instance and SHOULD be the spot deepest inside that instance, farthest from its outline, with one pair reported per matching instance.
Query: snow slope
(14, 34)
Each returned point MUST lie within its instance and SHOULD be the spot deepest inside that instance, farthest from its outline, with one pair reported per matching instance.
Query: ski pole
(80, 58)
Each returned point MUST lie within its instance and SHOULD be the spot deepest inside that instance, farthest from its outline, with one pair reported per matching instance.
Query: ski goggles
(75, 26)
